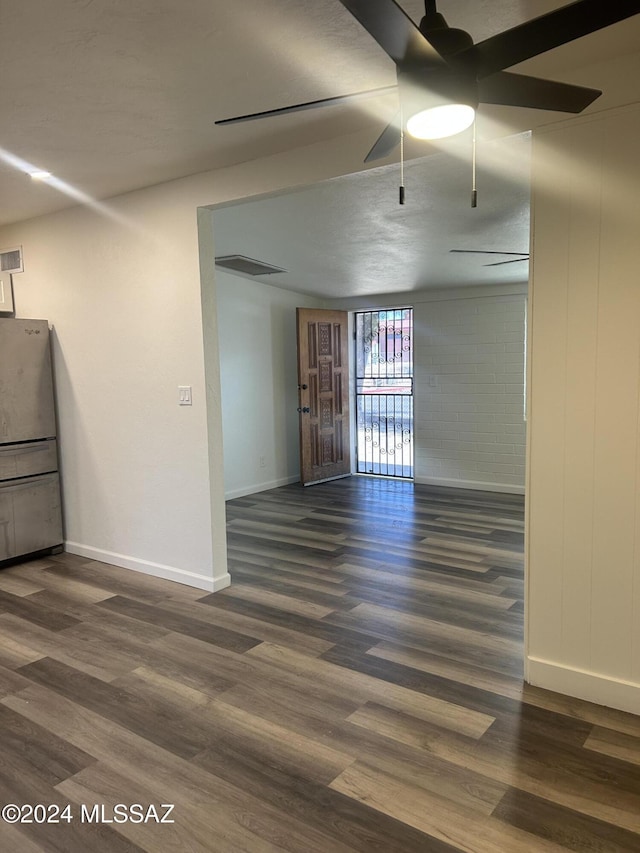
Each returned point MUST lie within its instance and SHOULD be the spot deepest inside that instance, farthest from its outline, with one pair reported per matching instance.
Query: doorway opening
(384, 392)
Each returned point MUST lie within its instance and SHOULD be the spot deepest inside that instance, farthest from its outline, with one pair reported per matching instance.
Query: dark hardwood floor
(358, 688)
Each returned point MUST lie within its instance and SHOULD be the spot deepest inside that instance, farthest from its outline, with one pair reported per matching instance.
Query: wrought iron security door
(384, 392)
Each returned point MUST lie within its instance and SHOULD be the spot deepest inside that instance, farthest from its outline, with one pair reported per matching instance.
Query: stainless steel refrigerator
(30, 505)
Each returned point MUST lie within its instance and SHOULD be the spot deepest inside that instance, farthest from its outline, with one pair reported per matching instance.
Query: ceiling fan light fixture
(440, 121)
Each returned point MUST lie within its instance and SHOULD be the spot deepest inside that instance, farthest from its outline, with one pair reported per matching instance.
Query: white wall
(133, 463)
(142, 478)
(470, 428)
(258, 371)
(583, 551)
(469, 385)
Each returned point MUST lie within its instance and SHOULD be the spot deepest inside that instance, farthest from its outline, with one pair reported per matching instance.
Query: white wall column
(583, 518)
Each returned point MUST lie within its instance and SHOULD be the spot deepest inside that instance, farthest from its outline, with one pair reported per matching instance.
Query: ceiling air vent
(11, 260)
(246, 266)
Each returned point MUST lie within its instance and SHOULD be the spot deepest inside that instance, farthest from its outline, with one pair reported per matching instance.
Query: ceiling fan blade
(512, 261)
(485, 252)
(312, 105)
(395, 32)
(520, 90)
(545, 32)
(386, 142)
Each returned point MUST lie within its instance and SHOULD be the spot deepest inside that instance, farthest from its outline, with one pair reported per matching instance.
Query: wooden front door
(323, 382)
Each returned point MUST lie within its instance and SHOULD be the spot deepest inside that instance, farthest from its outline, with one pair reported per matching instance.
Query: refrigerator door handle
(27, 482)
(19, 450)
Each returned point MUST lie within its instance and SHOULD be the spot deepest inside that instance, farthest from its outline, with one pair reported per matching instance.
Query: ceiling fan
(443, 76)
(521, 256)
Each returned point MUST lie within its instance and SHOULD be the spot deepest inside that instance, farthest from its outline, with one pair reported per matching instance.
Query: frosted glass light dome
(438, 122)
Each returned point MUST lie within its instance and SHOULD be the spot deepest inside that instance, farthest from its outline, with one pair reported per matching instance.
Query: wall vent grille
(246, 266)
(11, 260)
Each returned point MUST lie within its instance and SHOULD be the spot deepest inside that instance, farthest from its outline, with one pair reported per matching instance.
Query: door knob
(303, 387)
(304, 409)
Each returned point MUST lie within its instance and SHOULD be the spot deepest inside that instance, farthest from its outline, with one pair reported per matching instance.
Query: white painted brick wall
(469, 392)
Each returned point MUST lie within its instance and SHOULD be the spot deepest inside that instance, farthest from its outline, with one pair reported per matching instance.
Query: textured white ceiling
(112, 96)
(350, 236)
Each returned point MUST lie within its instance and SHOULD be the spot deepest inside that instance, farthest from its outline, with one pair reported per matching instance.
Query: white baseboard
(582, 684)
(260, 487)
(478, 485)
(148, 568)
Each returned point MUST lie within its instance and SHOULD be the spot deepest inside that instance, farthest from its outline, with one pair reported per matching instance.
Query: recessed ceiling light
(40, 175)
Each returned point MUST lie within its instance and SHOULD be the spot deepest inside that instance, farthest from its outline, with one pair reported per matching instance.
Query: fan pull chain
(401, 156)
(474, 190)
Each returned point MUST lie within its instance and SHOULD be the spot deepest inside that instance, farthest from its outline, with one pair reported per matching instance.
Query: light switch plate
(184, 395)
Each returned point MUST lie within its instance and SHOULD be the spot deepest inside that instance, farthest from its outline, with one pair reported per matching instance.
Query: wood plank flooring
(357, 688)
